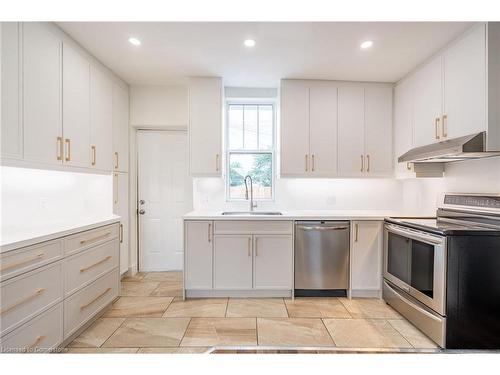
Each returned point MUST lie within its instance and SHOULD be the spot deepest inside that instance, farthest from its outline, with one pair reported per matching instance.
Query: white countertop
(16, 237)
(296, 215)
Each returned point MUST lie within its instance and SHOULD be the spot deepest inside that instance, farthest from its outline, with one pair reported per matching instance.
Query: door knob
(142, 212)
(142, 201)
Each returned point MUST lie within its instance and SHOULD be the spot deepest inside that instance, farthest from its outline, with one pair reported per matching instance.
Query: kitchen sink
(252, 213)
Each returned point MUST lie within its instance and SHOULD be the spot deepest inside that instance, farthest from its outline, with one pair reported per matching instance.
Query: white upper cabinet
(120, 128)
(464, 110)
(428, 103)
(42, 94)
(403, 125)
(323, 130)
(101, 120)
(76, 107)
(378, 130)
(294, 128)
(351, 131)
(12, 131)
(205, 126)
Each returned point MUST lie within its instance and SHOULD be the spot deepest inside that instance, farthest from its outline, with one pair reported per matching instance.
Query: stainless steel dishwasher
(321, 258)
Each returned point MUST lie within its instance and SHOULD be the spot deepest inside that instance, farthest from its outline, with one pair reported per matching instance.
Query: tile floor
(151, 317)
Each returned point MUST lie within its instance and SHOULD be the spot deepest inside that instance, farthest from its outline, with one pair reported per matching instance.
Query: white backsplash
(308, 194)
(33, 197)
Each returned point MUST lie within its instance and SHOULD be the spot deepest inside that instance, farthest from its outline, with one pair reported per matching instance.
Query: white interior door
(166, 189)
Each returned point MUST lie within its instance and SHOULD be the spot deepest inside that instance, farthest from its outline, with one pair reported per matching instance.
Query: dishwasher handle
(322, 228)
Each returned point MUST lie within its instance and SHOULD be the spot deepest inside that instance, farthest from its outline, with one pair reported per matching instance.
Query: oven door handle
(426, 238)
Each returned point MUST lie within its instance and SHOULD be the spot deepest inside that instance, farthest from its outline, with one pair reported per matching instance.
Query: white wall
(158, 106)
(34, 198)
(308, 194)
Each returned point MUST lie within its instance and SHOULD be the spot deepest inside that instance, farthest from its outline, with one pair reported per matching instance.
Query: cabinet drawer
(25, 296)
(83, 305)
(89, 238)
(253, 226)
(20, 261)
(41, 334)
(83, 268)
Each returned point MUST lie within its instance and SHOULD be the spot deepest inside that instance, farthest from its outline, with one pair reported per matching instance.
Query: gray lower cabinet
(52, 289)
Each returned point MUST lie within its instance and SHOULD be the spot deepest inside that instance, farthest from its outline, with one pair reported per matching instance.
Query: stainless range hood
(463, 148)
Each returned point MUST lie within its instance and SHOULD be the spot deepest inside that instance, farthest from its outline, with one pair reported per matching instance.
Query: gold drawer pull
(38, 340)
(82, 242)
(307, 163)
(217, 162)
(312, 160)
(93, 149)
(436, 124)
(443, 127)
(116, 160)
(26, 299)
(249, 247)
(362, 163)
(17, 264)
(82, 307)
(121, 233)
(95, 264)
(68, 148)
(357, 232)
(368, 163)
(59, 148)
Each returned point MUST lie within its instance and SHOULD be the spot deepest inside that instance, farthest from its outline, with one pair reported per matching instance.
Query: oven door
(415, 261)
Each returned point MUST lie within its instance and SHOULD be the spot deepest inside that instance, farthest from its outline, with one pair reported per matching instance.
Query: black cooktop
(443, 227)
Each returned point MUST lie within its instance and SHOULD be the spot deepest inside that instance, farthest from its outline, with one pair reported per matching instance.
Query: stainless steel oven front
(415, 261)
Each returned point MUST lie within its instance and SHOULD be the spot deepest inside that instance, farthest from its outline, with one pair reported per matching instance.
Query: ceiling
(172, 51)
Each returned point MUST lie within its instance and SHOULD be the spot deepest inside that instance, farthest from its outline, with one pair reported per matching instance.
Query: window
(250, 149)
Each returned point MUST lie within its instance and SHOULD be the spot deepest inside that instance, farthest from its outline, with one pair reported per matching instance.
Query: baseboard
(238, 293)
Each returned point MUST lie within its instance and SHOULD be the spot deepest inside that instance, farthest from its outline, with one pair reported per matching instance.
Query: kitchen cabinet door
(121, 208)
(465, 85)
(198, 245)
(295, 128)
(42, 115)
(12, 131)
(366, 256)
(351, 131)
(378, 131)
(427, 103)
(101, 120)
(205, 127)
(76, 107)
(232, 262)
(403, 125)
(120, 128)
(273, 262)
(323, 130)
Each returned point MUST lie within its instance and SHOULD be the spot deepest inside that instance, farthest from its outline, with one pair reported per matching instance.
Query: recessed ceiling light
(249, 43)
(134, 41)
(366, 44)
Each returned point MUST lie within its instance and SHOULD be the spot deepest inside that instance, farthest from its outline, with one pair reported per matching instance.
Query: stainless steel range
(443, 273)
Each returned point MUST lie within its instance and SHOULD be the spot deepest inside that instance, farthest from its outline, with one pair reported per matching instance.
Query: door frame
(134, 186)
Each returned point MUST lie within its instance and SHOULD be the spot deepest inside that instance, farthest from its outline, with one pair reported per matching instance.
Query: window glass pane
(258, 166)
(265, 127)
(250, 127)
(235, 127)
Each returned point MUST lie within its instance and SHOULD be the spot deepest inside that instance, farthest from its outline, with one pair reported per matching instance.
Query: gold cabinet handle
(115, 189)
(116, 160)
(436, 124)
(362, 163)
(443, 127)
(17, 264)
(249, 247)
(256, 249)
(307, 164)
(217, 162)
(100, 237)
(368, 163)
(356, 226)
(93, 149)
(67, 142)
(408, 166)
(121, 233)
(105, 259)
(37, 293)
(312, 161)
(59, 152)
(38, 340)
(209, 232)
(82, 307)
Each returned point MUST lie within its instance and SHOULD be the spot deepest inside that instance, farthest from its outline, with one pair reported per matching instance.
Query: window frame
(249, 102)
